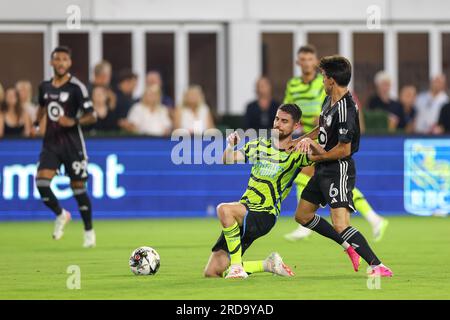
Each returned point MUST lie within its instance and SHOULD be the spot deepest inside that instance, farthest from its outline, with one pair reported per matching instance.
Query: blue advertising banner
(136, 177)
(427, 176)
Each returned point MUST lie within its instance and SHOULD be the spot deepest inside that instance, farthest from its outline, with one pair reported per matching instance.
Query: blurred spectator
(261, 112)
(443, 126)
(149, 116)
(2, 94)
(407, 100)
(102, 78)
(102, 74)
(429, 105)
(127, 81)
(154, 78)
(107, 119)
(14, 121)
(194, 115)
(382, 100)
(25, 90)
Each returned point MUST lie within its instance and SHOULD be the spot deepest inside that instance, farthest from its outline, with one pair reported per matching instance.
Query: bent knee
(223, 210)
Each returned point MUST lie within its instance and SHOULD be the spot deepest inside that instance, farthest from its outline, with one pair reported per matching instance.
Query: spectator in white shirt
(194, 115)
(149, 116)
(429, 104)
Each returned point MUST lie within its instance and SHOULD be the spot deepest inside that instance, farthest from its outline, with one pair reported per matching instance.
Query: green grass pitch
(33, 266)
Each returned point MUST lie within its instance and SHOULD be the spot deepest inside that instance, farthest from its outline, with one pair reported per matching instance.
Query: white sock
(345, 245)
(373, 218)
(303, 229)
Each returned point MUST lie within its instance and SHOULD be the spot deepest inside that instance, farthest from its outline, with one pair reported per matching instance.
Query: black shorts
(74, 161)
(332, 184)
(255, 225)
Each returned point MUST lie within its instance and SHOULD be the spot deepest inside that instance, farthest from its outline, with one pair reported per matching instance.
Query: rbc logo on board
(427, 176)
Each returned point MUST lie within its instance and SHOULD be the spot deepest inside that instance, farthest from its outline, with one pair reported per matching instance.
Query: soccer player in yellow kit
(308, 92)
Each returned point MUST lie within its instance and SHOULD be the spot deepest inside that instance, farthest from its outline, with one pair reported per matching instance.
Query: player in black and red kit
(64, 106)
(334, 178)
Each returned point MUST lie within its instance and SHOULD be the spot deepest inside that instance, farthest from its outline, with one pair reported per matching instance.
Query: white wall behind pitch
(318, 10)
(224, 11)
(41, 10)
(164, 10)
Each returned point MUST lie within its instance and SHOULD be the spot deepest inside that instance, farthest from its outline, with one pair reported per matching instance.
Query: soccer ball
(144, 261)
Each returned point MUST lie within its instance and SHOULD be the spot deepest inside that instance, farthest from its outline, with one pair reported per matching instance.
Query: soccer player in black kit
(64, 106)
(334, 178)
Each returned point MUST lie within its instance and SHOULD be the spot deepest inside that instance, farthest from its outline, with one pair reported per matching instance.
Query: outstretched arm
(341, 150)
(313, 134)
(318, 154)
(310, 147)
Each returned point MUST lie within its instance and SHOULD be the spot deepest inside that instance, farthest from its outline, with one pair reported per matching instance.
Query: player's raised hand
(67, 122)
(233, 139)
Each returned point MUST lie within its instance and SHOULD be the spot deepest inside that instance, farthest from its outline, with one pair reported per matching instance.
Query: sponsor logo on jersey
(329, 120)
(322, 137)
(63, 96)
(343, 131)
(55, 111)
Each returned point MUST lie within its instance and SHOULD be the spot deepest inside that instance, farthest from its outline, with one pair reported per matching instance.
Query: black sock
(321, 226)
(47, 195)
(84, 205)
(359, 243)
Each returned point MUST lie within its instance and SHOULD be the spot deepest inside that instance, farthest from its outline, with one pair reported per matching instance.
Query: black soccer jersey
(71, 100)
(339, 123)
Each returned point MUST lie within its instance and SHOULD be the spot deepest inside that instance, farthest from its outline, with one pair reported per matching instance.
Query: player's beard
(283, 136)
(279, 135)
(60, 75)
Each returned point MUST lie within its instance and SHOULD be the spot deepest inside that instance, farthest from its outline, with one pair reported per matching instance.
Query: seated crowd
(120, 112)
